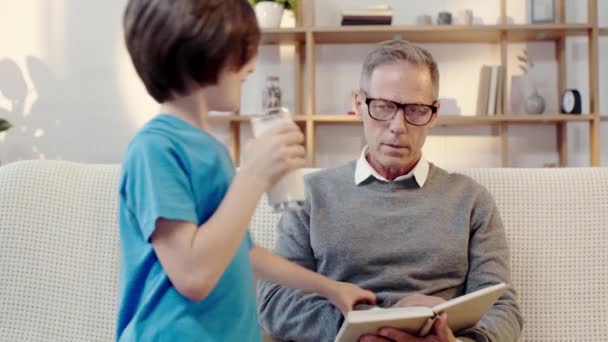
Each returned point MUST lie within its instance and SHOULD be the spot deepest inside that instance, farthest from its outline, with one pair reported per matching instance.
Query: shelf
(604, 31)
(448, 33)
(426, 34)
(244, 118)
(543, 118)
(544, 32)
(604, 117)
(444, 120)
(335, 119)
(283, 35)
(453, 120)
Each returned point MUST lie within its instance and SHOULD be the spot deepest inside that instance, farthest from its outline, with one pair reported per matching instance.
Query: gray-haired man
(392, 222)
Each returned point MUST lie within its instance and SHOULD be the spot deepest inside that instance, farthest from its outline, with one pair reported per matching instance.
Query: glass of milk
(288, 192)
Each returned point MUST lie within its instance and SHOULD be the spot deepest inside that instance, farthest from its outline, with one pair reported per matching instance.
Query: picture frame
(542, 11)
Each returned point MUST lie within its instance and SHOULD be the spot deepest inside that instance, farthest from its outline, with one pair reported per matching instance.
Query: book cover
(463, 312)
(493, 91)
(483, 90)
(365, 13)
(366, 21)
(377, 10)
(500, 90)
(371, 15)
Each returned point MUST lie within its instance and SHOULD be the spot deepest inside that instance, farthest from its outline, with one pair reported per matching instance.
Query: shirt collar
(364, 170)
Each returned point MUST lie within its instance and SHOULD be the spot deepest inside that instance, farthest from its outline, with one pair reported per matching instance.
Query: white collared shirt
(364, 170)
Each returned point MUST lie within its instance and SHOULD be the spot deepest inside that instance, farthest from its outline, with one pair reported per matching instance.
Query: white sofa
(59, 249)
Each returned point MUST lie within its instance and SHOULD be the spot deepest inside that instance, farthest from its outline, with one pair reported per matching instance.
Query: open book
(463, 312)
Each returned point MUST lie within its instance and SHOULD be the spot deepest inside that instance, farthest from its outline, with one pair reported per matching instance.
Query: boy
(186, 255)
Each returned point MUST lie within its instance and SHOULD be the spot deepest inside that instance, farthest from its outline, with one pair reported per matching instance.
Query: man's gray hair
(393, 51)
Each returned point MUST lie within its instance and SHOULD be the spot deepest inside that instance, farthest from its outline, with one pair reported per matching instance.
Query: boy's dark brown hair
(177, 43)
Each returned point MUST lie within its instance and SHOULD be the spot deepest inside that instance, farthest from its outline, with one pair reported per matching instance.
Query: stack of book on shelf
(490, 95)
(371, 15)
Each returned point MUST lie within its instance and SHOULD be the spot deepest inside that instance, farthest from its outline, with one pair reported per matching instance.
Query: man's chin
(393, 162)
(396, 153)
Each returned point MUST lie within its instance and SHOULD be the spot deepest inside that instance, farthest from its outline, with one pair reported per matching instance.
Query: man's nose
(398, 124)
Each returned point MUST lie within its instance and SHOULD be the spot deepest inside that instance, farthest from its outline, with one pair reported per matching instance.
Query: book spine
(493, 91)
(500, 90)
(346, 21)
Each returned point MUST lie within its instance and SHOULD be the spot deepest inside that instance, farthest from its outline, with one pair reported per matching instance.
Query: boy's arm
(290, 314)
(281, 271)
(193, 258)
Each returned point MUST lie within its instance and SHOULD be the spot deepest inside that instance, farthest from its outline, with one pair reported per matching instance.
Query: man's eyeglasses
(415, 114)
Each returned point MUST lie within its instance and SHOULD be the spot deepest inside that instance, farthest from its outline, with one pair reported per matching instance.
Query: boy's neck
(191, 108)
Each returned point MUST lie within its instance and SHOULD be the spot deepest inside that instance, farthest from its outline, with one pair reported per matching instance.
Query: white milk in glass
(288, 192)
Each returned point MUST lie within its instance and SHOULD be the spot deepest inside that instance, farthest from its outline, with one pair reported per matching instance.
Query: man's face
(396, 144)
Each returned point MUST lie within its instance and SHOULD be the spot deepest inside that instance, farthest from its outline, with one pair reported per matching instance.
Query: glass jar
(271, 96)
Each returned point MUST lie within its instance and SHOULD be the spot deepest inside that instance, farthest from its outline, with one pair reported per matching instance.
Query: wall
(68, 86)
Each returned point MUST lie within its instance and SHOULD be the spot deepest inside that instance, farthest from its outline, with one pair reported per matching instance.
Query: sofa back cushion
(58, 251)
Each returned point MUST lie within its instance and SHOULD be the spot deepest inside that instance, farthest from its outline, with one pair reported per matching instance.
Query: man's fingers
(441, 328)
(371, 338)
(397, 335)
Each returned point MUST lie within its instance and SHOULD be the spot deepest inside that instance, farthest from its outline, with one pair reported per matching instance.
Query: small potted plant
(270, 12)
(4, 125)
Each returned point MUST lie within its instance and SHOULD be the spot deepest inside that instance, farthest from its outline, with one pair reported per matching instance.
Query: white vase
(535, 104)
(269, 14)
(288, 20)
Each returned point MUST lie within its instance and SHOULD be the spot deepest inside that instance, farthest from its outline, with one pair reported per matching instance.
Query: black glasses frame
(401, 106)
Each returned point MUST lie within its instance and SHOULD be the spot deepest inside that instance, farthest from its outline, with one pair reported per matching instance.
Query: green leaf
(4, 125)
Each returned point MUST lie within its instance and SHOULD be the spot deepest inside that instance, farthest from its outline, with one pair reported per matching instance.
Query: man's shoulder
(454, 179)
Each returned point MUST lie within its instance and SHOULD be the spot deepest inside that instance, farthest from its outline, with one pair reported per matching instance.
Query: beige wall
(84, 101)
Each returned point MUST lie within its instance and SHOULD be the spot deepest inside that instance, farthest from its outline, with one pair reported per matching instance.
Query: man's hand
(344, 296)
(441, 333)
(419, 300)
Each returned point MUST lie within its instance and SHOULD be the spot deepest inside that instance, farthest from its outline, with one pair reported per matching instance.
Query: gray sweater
(444, 239)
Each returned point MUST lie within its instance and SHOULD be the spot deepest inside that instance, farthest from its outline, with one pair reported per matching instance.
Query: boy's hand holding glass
(273, 154)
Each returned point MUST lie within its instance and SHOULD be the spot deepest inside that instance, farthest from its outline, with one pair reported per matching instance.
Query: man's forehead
(398, 91)
(399, 81)
(401, 70)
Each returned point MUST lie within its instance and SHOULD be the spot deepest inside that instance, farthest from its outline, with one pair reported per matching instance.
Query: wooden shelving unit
(306, 38)
(443, 120)
(448, 34)
(418, 34)
(460, 120)
(245, 118)
(283, 36)
(545, 32)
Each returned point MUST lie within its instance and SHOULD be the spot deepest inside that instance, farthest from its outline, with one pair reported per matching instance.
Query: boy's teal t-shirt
(176, 171)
